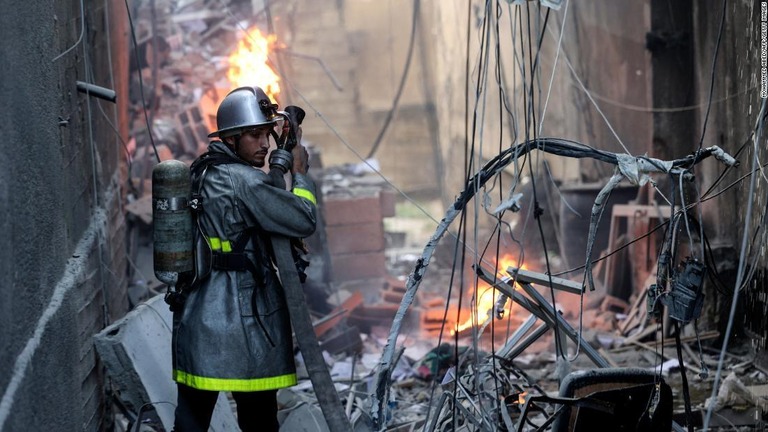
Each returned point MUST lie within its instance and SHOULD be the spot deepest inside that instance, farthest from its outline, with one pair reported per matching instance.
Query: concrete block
(358, 266)
(351, 210)
(136, 351)
(363, 237)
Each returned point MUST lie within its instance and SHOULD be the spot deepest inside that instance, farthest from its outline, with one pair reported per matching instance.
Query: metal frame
(540, 308)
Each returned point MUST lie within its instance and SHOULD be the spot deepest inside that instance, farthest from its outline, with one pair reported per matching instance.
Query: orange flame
(249, 63)
(486, 301)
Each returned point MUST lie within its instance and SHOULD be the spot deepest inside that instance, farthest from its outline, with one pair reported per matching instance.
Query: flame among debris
(249, 63)
(486, 301)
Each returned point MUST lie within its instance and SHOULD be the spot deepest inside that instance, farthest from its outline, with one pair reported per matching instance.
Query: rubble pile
(490, 391)
(178, 75)
(503, 372)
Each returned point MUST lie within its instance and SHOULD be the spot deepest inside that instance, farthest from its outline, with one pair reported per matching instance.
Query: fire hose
(329, 401)
(174, 257)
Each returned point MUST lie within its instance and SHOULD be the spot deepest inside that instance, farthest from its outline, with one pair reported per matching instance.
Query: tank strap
(230, 255)
(200, 167)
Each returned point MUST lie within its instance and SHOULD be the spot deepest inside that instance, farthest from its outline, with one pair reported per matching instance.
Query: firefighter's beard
(257, 162)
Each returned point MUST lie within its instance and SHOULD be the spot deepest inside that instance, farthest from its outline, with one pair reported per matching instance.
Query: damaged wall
(364, 45)
(653, 88)
(736, 103)
(62, 252)
(597, 41)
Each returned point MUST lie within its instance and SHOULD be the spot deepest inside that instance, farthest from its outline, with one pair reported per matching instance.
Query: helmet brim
(218, 133)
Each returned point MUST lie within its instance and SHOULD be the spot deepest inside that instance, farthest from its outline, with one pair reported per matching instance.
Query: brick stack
(355, 233)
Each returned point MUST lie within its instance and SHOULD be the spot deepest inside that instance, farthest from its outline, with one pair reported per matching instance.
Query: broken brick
(351, 210)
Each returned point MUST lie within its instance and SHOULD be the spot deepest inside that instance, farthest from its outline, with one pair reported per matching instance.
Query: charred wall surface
(62, 248)
(735, 107)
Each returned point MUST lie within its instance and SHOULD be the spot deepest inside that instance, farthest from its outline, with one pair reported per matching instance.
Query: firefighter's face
(254, 145)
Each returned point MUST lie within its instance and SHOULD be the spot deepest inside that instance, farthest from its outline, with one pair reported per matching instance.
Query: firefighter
(231, 329)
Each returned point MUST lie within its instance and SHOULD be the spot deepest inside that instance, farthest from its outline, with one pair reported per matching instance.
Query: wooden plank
(608, 357)
(527, 276)
(665, 357)
(197, 15)
(627, 211)
(632, 315)
(338, 313)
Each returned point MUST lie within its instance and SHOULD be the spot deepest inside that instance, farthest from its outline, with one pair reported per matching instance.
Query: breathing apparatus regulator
(181, 256)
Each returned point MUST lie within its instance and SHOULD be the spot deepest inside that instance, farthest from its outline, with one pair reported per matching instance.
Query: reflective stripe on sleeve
(304, 193)
(234, 384)
(226, 246)
(215, 243)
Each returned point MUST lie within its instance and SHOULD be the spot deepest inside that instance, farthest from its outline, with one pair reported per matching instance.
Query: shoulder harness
(234, 259)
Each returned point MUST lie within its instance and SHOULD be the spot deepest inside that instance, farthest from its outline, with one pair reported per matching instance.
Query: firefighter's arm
(290, 213)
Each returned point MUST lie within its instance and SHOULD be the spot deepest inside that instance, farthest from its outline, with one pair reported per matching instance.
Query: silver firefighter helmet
(242, 108)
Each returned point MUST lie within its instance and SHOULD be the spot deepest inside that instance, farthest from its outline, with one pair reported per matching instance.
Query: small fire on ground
(487, 298)
(249, 63)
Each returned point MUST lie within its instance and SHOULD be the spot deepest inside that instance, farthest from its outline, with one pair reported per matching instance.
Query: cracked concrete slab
(137, 353)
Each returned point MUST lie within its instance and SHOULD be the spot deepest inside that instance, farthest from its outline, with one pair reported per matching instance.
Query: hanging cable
(537, 211)
(476, 139)
(594, 103)
(82, 33)
(141, 82)
(556, 146)
(712, 74)
(403, 79)
(740, 272)
(554, 66)
(706, 116)
(114, 121)
(683, 376)
(94, 178)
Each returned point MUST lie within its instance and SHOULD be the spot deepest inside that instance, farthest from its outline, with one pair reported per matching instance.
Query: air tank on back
(172, 220)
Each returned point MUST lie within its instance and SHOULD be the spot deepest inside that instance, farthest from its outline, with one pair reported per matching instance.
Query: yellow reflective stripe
(304, 193)
(226, 246)
(234, 384)
(215, 243)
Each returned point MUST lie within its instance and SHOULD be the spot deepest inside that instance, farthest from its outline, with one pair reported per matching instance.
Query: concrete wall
(656, 103)
(62, 249)
(605, 50)
(650, 110)
(734, 114)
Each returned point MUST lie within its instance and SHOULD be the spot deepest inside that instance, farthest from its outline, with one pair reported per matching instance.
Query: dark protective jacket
(233, 332)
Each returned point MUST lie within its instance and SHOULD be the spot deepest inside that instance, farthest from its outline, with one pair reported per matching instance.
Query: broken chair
(616, 399)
